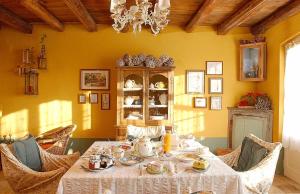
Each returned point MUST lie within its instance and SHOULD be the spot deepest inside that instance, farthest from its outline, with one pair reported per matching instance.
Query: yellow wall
(75, 48)
(277, 37)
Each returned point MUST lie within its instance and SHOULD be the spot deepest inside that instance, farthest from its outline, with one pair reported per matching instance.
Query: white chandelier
(139, 14)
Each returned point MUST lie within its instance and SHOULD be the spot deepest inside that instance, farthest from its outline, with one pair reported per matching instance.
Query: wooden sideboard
(242, 121)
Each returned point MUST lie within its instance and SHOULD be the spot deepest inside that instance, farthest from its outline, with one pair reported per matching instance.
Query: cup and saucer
(155, 167)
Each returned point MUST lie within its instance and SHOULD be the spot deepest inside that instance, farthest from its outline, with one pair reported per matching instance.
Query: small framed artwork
(94, 79)
(215, 85)
(195, 82)
(94, 98)
(81, 98)
(214, 67)
(200, 102)
(215, 103)
(105, 101)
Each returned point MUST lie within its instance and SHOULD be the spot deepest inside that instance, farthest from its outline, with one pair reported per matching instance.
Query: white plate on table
(130, 160)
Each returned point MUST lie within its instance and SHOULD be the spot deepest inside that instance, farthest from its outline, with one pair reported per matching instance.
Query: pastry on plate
(200, 164)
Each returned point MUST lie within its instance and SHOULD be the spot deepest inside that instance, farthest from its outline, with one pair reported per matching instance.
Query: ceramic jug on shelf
(130, 84)
(159, 85)
(143, 147)
(129, 100)
(163, 99)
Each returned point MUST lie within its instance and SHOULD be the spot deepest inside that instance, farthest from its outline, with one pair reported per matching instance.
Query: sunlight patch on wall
(190, 122)
(15, 123)
(86, 116)
(55, 114)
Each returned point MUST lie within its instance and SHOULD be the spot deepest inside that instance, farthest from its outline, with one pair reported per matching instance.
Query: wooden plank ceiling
(259, 15)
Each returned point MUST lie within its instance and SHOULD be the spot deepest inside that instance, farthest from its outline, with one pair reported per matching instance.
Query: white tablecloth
(126, 179)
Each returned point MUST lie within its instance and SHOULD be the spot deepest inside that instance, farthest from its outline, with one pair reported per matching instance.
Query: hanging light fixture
(140, 14)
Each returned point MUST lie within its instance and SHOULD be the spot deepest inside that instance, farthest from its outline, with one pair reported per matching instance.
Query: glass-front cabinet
(145, 97)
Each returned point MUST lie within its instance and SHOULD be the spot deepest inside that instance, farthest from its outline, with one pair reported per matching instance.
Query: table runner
(219, 178)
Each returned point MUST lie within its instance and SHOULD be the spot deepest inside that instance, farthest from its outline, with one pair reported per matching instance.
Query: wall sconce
(42, 59)
(31, 81)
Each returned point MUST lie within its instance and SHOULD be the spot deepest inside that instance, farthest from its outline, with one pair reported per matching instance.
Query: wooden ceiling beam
(82, 14)
(205, 9)
(9, 18)
(281, 14)
(241, 15)
(36, 8)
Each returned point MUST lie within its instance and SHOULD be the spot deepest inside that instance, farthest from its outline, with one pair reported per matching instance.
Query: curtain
(291, 120)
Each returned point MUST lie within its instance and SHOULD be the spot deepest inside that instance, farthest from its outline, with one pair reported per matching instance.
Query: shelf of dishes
(158, 117)
(133, 106)
(132, 89)
(131, 85)
(158, 106)
(134, 115)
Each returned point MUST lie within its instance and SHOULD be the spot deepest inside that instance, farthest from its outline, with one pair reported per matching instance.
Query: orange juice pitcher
(167, 142)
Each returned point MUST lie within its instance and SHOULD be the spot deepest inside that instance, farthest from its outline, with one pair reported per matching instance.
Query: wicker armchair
(25, 180)
(260, 177)
(56, 140)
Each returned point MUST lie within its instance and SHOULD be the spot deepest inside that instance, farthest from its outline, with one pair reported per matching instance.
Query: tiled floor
(281, 185)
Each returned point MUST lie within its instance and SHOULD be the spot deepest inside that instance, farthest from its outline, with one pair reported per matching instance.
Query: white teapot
(143, 147)
(130, 84)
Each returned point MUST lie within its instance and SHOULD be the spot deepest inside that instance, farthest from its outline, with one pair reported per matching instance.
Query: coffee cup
(155, 166)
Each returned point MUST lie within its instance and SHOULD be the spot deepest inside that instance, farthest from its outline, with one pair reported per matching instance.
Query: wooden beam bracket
(39, 10)
(82, 14)
(9, 18)
(205, 9)
(241, 15)
(279, 15)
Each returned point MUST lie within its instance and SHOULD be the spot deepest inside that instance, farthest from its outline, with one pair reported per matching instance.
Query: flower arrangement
(145, 61)
(255, 100)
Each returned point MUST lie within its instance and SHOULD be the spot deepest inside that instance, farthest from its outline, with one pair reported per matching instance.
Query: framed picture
(215, 85)
(253, 61)
(94, 98)
(214, 67)
(195, 82)
(94, 79)
(215, 103)
(81, 98)
(105, 101)
(200, 102)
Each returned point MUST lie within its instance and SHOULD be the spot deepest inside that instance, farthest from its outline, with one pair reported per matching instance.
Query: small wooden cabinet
(145, 97)
(253, 62)
(242, 121)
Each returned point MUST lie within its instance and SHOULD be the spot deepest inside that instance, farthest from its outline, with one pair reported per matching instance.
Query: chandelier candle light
(139, 14)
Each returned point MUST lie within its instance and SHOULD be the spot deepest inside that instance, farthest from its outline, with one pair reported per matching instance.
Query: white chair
(259, 178)
(153, 132)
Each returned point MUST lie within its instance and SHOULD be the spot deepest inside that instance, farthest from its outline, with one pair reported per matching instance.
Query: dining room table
(135, 179)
